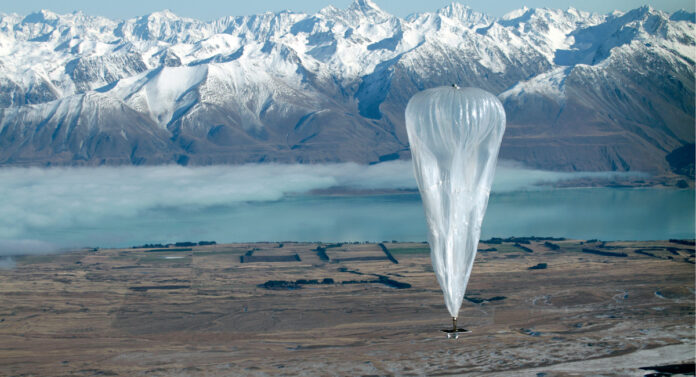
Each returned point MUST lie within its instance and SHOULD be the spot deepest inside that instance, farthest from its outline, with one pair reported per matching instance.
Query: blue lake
(602, 213)
(42, 210)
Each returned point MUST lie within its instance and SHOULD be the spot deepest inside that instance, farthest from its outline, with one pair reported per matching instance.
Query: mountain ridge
(582, 91)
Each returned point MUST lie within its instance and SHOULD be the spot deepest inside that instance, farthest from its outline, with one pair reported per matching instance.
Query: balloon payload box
(454, 332)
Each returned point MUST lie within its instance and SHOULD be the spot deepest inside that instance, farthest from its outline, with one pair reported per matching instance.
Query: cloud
(25, 247)
(7, 263)
(512, 176)
(39, 205)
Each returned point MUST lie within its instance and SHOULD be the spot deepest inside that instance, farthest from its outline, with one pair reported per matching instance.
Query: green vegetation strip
(221, 252)
(168, 250)
(410, 250)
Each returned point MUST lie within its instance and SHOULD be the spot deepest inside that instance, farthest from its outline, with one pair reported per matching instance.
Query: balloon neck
(454, 324)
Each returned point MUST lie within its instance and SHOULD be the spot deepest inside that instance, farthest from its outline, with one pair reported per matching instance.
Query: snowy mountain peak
(517, 13)
(637, 14)
(455, 10)
(162, 26)
(365, 6)
(163, 15)
(42, 16)
(368, 9)
(325, 87)
(463, 13)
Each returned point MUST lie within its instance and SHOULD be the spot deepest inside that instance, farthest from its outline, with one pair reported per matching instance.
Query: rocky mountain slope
(582, 91)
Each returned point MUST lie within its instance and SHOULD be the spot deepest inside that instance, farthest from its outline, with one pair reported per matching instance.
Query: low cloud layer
(27, 247)
(7, 263)
(50, 202)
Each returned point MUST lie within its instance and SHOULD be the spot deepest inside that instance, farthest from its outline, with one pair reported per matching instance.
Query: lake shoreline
(671, 182)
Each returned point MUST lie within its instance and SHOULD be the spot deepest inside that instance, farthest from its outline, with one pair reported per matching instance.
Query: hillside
(582, 91)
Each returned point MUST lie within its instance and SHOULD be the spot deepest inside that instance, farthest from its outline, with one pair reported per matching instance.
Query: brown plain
(201, 312)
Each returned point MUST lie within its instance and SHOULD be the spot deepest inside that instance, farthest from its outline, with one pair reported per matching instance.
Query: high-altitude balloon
(455, 135)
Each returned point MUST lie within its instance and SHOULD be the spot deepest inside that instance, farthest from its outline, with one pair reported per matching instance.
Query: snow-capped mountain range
(582, 91)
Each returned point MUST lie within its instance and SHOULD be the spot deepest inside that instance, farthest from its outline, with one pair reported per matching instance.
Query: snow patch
(550, 84)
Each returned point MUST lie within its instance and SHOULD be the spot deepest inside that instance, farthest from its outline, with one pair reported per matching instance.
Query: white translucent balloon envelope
(455, 135)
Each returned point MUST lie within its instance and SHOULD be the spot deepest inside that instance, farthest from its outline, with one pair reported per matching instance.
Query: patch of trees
(604, 253)
(522, 240)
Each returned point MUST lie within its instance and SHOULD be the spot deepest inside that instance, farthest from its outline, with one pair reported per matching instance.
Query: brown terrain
(535, 307)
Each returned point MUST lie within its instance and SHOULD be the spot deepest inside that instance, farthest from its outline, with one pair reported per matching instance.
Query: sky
(212, 9)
